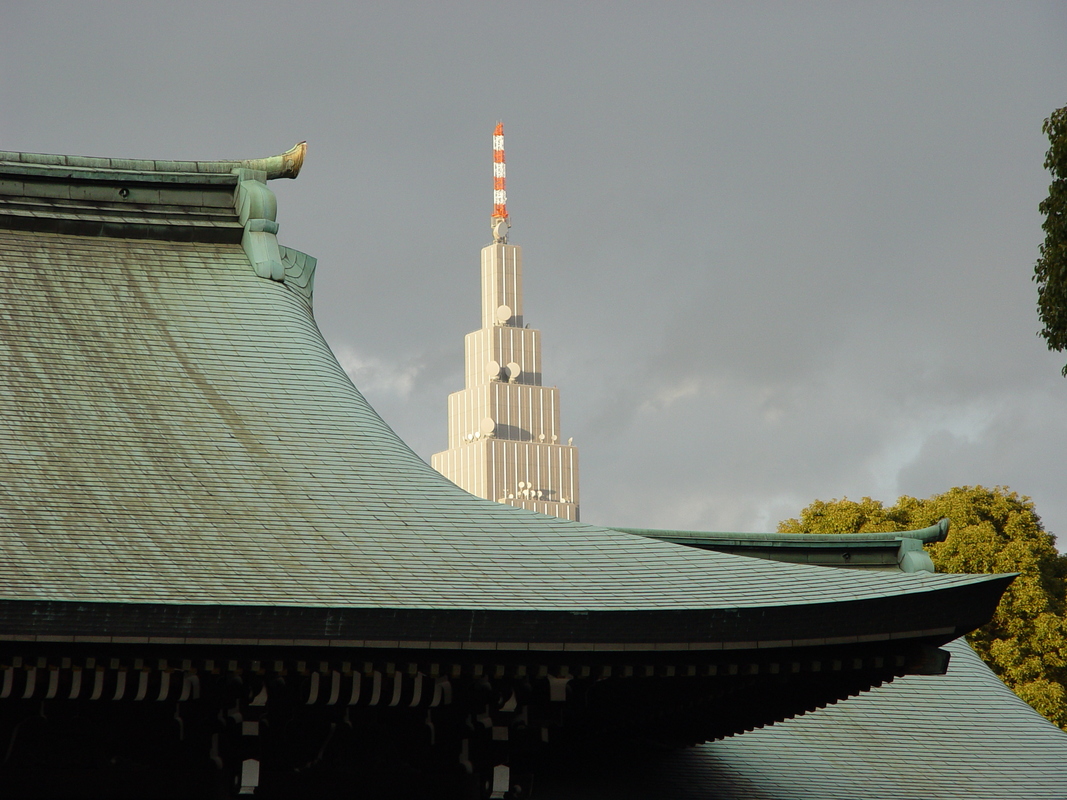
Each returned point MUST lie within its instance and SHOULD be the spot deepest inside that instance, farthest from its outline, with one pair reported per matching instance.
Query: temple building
(223, 574)
(504, 439)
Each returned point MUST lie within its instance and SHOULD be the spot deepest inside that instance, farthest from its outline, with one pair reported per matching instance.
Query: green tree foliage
(1050, 272)
(993, 530)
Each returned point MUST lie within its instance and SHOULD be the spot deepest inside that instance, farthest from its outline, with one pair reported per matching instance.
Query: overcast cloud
(778, 251)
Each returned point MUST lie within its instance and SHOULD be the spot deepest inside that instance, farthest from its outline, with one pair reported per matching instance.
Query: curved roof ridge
(929, 535)
(285, 165)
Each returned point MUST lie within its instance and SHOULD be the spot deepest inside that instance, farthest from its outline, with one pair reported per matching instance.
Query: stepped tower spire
(504, 439)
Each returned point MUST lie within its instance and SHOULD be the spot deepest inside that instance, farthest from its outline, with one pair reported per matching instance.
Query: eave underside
(943, 612)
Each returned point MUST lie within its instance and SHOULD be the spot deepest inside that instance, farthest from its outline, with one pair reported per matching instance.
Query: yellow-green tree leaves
(993, 530)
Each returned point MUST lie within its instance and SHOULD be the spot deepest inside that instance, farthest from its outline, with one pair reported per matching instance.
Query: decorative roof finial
(500, 221)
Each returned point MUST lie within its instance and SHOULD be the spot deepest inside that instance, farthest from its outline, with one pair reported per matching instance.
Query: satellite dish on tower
(513, 370)
(493, 370)
(487, 426)
(503, 313)
(500, 230)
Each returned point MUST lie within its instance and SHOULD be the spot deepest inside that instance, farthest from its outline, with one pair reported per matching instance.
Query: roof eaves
(193, 201)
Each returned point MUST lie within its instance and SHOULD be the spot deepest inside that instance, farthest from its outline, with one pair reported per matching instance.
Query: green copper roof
(61, 167)
(178, 432)
(961, 736)
(934, 533)
(902, 550)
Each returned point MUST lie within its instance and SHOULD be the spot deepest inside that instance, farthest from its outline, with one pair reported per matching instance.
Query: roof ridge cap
(285, 165)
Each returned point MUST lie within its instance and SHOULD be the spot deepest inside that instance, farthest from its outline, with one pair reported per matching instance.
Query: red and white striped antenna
(500, 221)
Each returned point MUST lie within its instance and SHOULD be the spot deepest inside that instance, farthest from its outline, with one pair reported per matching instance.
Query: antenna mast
(500, 221)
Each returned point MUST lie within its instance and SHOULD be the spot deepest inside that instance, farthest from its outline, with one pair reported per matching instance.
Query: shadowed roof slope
(957, 736)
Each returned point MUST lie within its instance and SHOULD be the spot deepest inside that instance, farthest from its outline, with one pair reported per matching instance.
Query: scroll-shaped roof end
(287, 165)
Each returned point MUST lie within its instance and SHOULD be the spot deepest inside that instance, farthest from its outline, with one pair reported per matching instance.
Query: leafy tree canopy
(993, 530)
(1050, 272)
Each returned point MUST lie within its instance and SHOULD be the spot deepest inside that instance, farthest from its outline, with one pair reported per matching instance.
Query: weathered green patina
(195, 498)
(893, 551)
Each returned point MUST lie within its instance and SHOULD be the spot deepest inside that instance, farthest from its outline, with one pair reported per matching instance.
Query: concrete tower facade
(504, 438)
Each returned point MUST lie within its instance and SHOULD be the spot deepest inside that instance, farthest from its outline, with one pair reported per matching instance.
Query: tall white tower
(504, 440)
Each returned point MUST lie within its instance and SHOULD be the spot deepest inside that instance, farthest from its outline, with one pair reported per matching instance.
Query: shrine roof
(132, 198)
(957, 736)
(178, 433)
(960, 736)
(934, 533)
(63, 167)
(889, 551)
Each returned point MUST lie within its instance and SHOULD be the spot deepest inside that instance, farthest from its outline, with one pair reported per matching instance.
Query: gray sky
(778, 251)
